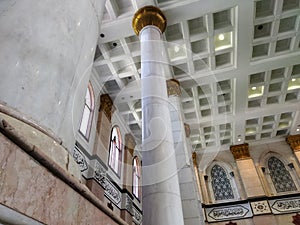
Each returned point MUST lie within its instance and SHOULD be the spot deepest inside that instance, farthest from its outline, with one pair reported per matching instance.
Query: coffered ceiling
(238, 63)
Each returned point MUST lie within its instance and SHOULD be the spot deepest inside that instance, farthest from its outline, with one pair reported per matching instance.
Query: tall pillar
(46, 55)
(247, 170)
(183, 153)
(161, 195)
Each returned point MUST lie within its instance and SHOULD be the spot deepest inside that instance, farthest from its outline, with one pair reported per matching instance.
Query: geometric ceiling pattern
(237, 61)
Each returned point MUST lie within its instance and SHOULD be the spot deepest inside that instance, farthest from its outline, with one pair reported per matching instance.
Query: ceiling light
(239, 139)
(255, 91)
(176, 48)
(221, 37)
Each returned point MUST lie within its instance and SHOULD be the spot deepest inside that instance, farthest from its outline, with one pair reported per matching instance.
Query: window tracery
(280, 176)
(220, 183)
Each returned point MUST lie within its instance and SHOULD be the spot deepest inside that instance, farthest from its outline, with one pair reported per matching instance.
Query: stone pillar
(128, 157)
(161, 195)
(188, 180)
(195, 164)
(103, 128)
(247, 170)
(46, 53)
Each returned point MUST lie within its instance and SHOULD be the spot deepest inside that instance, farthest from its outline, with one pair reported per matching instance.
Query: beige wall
(29, 188)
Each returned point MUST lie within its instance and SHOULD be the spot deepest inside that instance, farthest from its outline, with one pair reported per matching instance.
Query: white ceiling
(260, 51)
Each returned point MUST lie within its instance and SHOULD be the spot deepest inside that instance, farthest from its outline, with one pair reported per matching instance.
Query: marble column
(160, 192)
(46, 54)
(252, 184)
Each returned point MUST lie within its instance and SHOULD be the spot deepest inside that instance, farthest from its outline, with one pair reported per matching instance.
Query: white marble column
(161, 194)
(46, 55)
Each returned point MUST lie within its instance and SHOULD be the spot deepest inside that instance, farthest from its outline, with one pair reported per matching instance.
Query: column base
(23, 133)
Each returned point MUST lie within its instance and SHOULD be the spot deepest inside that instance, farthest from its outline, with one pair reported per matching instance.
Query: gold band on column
(240, 151)
(149, 15)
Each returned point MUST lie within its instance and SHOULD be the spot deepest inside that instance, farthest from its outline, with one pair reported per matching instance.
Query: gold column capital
(187, 130)
(148, 15)
(173, 87)
(130, 143)
(294, 142)
(106, 105)
(240, 151)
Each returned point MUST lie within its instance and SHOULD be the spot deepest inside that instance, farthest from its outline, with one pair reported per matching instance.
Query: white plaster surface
(47, 49)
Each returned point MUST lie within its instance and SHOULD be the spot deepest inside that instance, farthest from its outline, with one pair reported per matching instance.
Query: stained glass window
(136, 180)
(87, 115)
(115, 150)
(220, 183)
(281, 178)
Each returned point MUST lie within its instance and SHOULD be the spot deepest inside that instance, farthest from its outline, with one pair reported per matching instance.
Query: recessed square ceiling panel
(231, 62)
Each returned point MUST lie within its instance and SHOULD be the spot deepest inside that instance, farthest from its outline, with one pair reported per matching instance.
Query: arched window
(115, 150)
(136, 179)
(88, 111)
(280, 176)
(220, 183)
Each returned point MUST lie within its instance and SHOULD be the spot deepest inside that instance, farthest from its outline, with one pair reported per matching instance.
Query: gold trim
(194, 156)
(187, 130)
(294, 142)
(173, 87)
(148, 15)
(240, 151)
(130, 143)
(106, 105)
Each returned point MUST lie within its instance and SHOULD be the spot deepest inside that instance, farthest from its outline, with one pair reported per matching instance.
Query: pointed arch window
(115, 150)
(88, 111)
(280, 176)
(136, 179)
(220, 183)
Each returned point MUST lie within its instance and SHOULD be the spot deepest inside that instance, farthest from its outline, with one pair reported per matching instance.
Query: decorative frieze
(106, 105)
(260, 207)
(240, 151)
(294, 142)
(173, 87)
(137, 216)
(110, 190)
(222, 213)
(80, 159)
(287, 205)
(127, 203)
